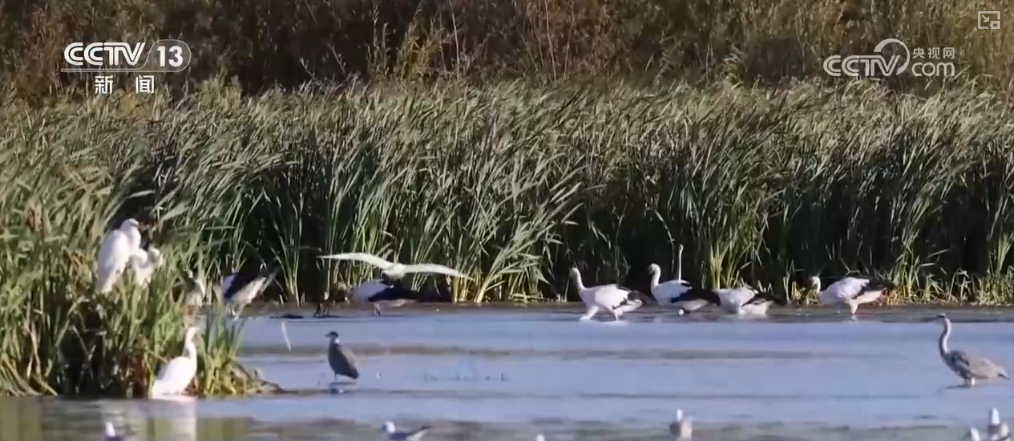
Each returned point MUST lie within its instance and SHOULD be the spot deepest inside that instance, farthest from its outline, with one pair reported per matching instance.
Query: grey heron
(613, 298)
(341, 360)
(393, 434)
(682, 428)
(851, 291)
(967, 366)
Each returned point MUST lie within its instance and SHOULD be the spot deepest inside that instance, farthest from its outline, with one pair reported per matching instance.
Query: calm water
(496, 373)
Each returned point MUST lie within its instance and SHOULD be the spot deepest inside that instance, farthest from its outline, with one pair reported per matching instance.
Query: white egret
(612, 297)
(117, 249)
(397, 270)
(851, 291)
(175, 376)
(144, 265)
(393, 434)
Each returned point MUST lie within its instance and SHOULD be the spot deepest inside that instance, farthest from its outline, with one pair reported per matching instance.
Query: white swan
(851, 291)
(176, 375)
(117, 249)
(144, 265)
(612, 298)
(111, 433)
(397, 270)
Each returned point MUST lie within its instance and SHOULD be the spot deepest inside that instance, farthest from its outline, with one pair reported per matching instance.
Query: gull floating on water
(144, 265)
(394, 434)
(967, 366)
(111, 433)
(237, 293)
(851, 291)
(682, 428)
(175, 376)
(117, 249)
(612, 297)
(341, 359)
(396, 270)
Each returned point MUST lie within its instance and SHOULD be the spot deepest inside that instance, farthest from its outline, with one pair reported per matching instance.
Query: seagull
(175, 376)
(612, 298)
(738, 301)
(393, 434)
(144, 265)
(397, 270)
(682, 428)
(968, 367)
(111, 433)
(237, 293)
(196, 291)
(851, 291)
(117, 249)
(341, 360)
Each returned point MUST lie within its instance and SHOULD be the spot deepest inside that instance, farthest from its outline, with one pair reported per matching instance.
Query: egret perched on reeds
(682, 428)
(968, 367)
(144, 265)
(111, 433)
(851, 291)
(195, 290)
(175, 376)
(613, 298)
(117, 249)
(237, 292)
(393, 434)
(341, 360)
(397, 270)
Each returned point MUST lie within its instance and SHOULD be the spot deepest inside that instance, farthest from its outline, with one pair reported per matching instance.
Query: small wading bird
(394, 434)
(613, 298)
(851, 291)
(968, 367)
(382, 292)
(396, 270)
(682, 428)
(176, 375)
(341, 360)
(117, 249)
(738, 301)
(239, 289)
(111, 433)
(144, 265)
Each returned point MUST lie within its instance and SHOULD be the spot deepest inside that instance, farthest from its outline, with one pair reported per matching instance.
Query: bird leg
(969, 382)
(591, 313)
(376, 309)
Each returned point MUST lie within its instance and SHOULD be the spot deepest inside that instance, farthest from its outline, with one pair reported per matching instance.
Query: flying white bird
(117, 249)
(393, 434)
(612, 297)
(851, 291)
(144, 265)
(111, 433)
(176, 375)
(397, 270)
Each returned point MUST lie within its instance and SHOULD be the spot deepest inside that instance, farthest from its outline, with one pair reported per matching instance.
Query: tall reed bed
(514, 185)
(66, 182)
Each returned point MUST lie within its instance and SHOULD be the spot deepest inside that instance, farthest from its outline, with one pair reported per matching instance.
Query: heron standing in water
(967, 366)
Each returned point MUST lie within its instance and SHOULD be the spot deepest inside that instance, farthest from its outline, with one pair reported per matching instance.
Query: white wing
(362, 257)
(732, 299)
(175, 376)
(145, 264)
(845, 289)
(433, 268)
(367, 289)
(114, 254)
(665, 292)
(608, 296)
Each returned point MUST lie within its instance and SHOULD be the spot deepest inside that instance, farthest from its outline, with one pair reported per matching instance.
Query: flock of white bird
(121, 249)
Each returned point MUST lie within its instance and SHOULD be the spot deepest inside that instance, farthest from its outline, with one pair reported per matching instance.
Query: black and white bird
(383, 293)
(851, 291)
(341, 359)
(241, 288)
(737, 301)
(393, 434)
(665, 292)
(613, 298)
